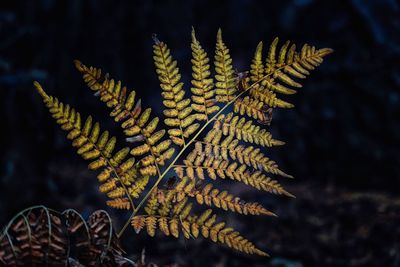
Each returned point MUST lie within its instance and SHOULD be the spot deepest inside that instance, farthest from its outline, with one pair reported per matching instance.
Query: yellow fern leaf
(203, 93)
(90, 147)
(268, 97)
(288, 64)
(205, 224)
(229, 147)
(137, 188)
(119, 203)
(179, 110)
(223, 169)
(210, 196)
(225, 87)
(257, 67)
(151, 225)
(137, 124)
(152, 204)
(245, 130)
(253, 108)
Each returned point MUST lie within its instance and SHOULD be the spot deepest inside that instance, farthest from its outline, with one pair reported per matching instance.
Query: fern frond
(136, 122)
(136, 190)
(179, 111)
(229, 147)
(97, 147)
(203, 93)
(210, 196)
(232, 148)
(253, 108)
(268, 97)
(39, 236)
(199, 166)
(245, 130)
(192, 226)
(119, 203)
(226, 84)
(257, 66)
(285, 66)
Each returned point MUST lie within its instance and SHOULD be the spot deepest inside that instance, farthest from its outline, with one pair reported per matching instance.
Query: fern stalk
(136, 210)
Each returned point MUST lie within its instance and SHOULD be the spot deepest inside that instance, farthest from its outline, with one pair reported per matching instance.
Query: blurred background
(343, 137)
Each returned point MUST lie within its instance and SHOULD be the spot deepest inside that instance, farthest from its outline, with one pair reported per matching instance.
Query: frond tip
(40, 90)
(203, 93)
(226, 85)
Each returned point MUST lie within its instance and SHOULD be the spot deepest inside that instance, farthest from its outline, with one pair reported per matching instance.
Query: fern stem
(192, 140)
(181, 152)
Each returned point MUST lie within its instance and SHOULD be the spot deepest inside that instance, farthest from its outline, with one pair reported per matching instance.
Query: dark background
(343, 137)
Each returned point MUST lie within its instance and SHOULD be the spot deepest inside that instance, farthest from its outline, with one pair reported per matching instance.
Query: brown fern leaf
(38, 236)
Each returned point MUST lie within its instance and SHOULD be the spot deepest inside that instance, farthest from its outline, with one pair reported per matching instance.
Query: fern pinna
(200, 140)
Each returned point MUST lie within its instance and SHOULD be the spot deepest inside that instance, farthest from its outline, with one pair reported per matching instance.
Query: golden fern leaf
(229, 147)
(245, 130)
(253, 108)
(198, 166)
(210, 196)
(192, 226)
(97, 147)
(137, 124)
(226, 81)
(257, 66)
(152, 204)
(136, 190)
(286, 65)
(179, 111)
(268, 97)
(280, 72)
(119, 203)
(202, 89)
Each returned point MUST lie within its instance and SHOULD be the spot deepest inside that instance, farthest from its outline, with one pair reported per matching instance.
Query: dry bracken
(199, 139)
